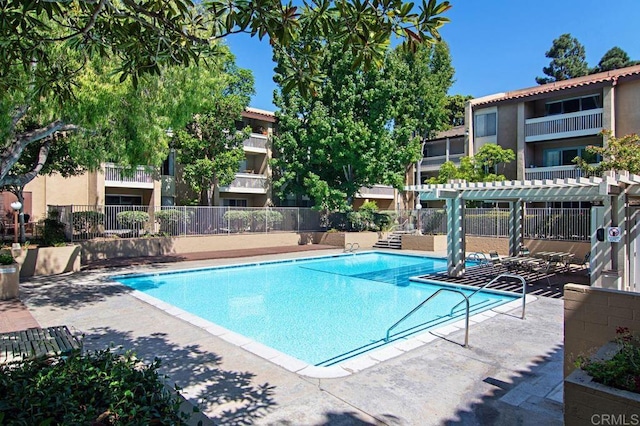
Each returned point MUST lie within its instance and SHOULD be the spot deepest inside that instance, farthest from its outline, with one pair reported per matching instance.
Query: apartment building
(547, 126)
(153, 187)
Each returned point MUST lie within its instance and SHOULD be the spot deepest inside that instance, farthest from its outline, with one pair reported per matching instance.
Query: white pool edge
(346, 368)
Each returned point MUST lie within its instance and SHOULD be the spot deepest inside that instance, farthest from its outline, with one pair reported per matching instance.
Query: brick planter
(9, 281)
(588, 402)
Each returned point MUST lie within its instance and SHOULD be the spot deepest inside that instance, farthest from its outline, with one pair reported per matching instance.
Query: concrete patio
(511, 374)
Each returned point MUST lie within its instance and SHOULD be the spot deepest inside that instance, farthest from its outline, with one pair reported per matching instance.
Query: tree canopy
(568, 60)
(613, 59)
(94, 71)
(456, 109)
(482, 167)
(619, 154)
(209, 149)
(362, 128)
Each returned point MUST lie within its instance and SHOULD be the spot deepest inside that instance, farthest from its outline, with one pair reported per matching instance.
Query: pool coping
(342, 369)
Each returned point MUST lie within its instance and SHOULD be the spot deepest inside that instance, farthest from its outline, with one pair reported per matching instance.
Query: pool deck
(511, 374)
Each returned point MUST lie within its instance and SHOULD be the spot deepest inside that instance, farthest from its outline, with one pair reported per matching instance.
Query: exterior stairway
(393, 240)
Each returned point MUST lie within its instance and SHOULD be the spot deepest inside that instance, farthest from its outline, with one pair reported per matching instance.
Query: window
(565, 156)
(123, 200)
(567, 106)
(485, 124)
(168, 166)
(229, 202)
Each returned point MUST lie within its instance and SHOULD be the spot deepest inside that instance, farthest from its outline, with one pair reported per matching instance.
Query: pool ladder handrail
(479, 257)
(524, 290)
(466, 323)
(351, 247)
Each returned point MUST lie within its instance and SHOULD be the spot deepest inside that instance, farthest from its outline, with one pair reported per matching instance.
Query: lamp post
(418, 209)
(16, 206)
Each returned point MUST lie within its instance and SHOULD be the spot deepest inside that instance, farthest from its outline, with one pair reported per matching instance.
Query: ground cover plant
(622, 371)
(99, 388)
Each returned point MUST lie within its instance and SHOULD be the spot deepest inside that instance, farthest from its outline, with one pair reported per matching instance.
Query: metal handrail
(394, 227)
(522, 280)
(351, 247)
(479, 257)
(466, 333)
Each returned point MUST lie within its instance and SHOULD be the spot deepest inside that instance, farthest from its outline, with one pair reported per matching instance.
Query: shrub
(622, 371)
(383, 221)
(238, 220)
(88, 221)
(170, 220)
(133, 218)
(6, 259)
(269, 217)
(97, 388)
(53, 230)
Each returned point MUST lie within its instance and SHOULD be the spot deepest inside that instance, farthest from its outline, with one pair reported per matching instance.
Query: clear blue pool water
(320, 310)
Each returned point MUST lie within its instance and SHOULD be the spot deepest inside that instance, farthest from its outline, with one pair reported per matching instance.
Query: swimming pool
(321, 310)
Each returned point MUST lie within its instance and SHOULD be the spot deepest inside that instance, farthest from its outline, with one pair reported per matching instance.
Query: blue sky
(496, 45)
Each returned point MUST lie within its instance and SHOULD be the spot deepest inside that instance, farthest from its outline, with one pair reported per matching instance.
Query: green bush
(383, 221)
(622, 371)
(238, 220)
(97, 388)
(53, 230)
(88, 221)
(269, 217)
(170, 220)
(133, 218)
(6, 259)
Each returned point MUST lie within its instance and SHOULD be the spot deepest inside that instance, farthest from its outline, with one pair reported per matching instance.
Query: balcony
(114, 176)
(581, 123)
(256, 143)
(247, 183)
(555, 172)
(381, 192)
(432, 164)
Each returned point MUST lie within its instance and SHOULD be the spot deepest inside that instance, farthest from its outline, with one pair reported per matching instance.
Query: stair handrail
(524, 290)
(396, 226)
(466, 325)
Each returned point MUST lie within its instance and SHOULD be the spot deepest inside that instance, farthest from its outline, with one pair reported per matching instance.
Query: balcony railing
(247, 183)
(114, 176)
(581, 123)
(256, 143)
(555, 172)
(377, 191)
(434, 163)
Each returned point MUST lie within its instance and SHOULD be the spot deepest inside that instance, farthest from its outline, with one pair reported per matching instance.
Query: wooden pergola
(610, 264)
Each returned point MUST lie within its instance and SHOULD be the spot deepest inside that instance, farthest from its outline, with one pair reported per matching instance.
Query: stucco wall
(49, 260)
(425, 242)
(56, 190)
(134, 247)
(627, 108)
(591, 316)
(507, 136)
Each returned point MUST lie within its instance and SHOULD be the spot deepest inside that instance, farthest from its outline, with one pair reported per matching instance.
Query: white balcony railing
(581, 123)
(433, 163)
(256, 143)
(247, 183)
(377, 191)
(555, 172)
(114, 176)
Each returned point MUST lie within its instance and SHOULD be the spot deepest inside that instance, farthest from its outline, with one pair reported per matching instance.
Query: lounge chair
(494, 258)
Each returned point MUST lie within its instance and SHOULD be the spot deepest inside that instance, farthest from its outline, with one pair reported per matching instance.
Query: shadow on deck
(537, 284)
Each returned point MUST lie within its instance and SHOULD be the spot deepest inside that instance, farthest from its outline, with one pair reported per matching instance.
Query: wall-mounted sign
(614, 234)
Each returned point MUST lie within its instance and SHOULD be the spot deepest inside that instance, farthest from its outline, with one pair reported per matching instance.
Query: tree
(568, 60)
(482, 167)
(456, 109)
(210, 148)
(363, 127)
(618, 154)
(613, 59)
(79, 66)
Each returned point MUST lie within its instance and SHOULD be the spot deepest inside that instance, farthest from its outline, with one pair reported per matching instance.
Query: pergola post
(455, 237)
(515, 227)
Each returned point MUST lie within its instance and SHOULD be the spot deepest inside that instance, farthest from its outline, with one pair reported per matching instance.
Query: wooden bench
(37, 342)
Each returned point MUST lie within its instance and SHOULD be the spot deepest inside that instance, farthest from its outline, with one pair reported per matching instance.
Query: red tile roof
(608, 76)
